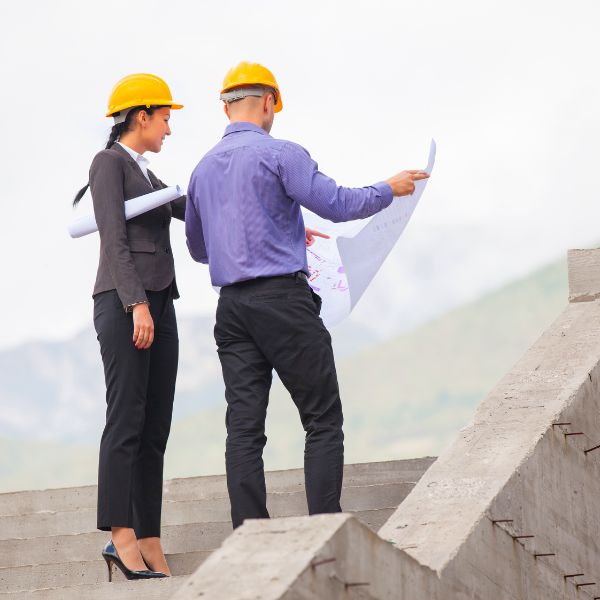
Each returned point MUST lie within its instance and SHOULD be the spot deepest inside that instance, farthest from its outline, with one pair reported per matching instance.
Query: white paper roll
(133, 208)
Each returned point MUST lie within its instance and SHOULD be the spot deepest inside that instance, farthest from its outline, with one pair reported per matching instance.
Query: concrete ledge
(584, 275)
(303, 558)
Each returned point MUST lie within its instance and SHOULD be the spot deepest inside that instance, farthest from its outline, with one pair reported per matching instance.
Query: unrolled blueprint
(342, 267)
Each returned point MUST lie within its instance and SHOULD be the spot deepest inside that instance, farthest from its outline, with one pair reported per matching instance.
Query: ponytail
(115, 133)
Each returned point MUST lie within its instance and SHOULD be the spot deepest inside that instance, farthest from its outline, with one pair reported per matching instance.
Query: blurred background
(508, 89)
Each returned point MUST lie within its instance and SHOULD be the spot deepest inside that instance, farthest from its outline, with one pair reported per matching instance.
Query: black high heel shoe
(111, 555)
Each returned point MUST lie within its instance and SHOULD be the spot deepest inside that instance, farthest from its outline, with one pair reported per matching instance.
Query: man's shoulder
(289, 150)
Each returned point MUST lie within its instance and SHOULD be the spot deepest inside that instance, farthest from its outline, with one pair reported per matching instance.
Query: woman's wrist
(131, 307)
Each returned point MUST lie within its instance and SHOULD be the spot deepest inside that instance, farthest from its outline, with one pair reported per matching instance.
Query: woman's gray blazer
(135, 255)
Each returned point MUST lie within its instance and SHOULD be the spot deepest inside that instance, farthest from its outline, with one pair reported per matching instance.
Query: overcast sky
(510, 91)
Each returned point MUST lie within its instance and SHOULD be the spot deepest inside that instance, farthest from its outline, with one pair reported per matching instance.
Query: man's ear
(226, 109)
(267, 99)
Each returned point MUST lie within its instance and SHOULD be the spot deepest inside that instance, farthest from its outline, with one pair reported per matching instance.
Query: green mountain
(402, 398)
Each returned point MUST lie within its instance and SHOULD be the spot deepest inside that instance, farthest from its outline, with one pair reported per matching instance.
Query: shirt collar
(243, 126)
(139, 158)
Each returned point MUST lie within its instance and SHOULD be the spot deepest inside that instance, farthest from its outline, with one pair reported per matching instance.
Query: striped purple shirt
(243, 213)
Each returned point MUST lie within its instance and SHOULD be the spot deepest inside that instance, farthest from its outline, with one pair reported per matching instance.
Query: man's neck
(247, 119)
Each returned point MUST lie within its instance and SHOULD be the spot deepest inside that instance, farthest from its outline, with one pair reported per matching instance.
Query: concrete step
(210, 486)
(50, 548)
(159, 589)
(60, 568)
(83, 572)
(50, 523)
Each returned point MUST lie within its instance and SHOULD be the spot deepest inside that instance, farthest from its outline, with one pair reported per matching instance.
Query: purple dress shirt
(243, 213)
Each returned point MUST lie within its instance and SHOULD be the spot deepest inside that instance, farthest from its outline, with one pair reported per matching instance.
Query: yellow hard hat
(247, 74)
(140, 89)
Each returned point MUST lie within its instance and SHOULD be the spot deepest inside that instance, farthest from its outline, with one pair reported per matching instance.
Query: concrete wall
(514, 463)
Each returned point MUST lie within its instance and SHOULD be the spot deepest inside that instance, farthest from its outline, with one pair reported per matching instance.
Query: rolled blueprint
(133, 208)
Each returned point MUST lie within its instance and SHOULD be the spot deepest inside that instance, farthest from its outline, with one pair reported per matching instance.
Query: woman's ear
(142, 118)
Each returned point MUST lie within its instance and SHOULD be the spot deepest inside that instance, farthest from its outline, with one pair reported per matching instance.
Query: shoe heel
(109, 565)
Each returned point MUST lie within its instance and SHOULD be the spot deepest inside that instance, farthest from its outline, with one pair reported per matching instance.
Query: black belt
(298, 275)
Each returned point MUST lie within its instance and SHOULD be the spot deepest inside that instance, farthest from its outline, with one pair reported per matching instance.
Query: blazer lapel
(132, 161)
(154, 179)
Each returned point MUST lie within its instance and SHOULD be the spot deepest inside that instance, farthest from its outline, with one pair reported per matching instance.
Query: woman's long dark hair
(115, 133)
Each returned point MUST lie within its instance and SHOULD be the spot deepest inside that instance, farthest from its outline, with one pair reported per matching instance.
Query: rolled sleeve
(385, 192)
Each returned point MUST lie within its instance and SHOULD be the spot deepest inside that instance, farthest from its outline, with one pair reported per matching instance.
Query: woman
(135, 321)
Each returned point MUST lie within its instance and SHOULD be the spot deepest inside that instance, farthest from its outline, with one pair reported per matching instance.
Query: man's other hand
(311, 234)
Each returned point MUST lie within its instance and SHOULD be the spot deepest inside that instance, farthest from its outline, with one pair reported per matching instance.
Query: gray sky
(509, 90)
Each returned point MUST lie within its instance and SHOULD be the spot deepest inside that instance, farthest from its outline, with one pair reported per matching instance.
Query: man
(243, 218)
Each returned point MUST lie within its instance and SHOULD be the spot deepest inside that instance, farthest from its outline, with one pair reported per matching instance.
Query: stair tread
(176, 539)
(86, 572)
(24, 502)
(118, 590)
(72, 522)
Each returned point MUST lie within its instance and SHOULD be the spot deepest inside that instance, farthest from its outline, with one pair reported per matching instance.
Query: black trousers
(267, 324)
(140, 386)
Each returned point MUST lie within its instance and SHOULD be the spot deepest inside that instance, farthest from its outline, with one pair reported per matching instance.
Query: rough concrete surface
(510, 511)
(584, 275)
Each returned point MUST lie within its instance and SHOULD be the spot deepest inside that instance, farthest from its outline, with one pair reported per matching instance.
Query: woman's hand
(143, 327)
(311, 234)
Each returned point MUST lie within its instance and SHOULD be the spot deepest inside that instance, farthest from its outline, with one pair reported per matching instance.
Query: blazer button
(167, 250)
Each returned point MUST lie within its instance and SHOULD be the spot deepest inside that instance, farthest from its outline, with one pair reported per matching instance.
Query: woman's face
(155, 127)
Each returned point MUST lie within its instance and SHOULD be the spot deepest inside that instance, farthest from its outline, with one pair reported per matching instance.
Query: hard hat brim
(148, 103)
(278, 105)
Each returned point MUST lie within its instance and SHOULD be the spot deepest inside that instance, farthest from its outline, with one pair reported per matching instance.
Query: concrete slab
(584, 275)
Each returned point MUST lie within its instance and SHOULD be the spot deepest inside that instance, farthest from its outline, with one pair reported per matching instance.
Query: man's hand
(143, 327)
(311, 234)
(403, 184)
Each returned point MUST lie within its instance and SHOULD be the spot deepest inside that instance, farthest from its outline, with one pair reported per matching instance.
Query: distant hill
(55, 390)
(404, 397)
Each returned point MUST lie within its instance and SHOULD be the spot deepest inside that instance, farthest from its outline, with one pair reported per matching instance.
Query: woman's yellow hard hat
(247, 74)
(140, 89)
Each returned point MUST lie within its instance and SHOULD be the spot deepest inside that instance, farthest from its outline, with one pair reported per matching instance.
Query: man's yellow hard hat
(140, 89)
(248, 74)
